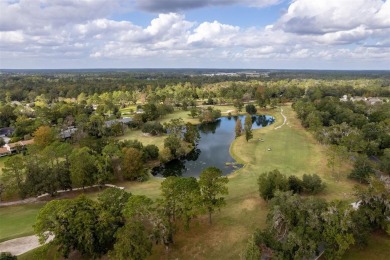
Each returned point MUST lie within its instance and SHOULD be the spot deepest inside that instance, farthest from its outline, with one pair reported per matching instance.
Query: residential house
(4, 151)
(18, 146)
(6, 131)
(124, 120)
(67, 133)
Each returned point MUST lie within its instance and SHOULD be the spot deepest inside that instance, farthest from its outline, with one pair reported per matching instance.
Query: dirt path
(36, 199)
(21, 245)
(284, 117)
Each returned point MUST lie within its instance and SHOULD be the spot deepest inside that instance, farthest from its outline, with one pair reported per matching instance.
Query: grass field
(293, 151)
(17, 221)
(378, 248)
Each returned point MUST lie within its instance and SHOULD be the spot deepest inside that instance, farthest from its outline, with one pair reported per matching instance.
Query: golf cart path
(284, 119)
(21, 245)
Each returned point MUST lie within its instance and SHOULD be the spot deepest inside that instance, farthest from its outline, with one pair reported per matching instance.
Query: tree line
(354, 130)
(125, 226)
(300, 227)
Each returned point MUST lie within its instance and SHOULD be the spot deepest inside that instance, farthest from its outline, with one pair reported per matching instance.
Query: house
(4, 151)
(6, 131)
(124, 120)
(18, 146)
(369, 100)
(374, 100)
(67, 133)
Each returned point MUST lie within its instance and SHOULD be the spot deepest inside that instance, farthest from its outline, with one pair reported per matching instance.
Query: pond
(212, 149)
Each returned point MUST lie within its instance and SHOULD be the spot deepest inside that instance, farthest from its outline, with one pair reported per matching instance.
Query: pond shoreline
(213, 149)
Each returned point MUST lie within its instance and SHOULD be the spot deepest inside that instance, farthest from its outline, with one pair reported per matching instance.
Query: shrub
(270, 182)
(312, 183)
(251, 109)
(7, 256)
(153, 128)
(295, 184)
(150, 152)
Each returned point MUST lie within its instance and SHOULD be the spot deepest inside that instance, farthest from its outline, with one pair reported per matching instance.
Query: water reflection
(210, 127)
(212, 149)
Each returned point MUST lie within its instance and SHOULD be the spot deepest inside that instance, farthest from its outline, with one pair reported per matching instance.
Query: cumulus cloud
(164, 6)
(337, 21)
(30, 14)
(319, 17)
(84, 32)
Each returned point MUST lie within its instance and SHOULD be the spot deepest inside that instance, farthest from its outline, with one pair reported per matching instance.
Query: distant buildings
(124, 120)
(368, 100)
(14, 147)
(238, 74)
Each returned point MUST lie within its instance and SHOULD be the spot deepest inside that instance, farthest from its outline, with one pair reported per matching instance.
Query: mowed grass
(17, 221)
(2, 160)
(378, 248)
(293, 151)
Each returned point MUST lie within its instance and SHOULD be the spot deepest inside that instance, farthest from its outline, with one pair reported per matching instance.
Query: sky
(251, 34)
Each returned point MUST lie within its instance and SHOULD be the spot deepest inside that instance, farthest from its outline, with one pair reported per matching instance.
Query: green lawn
(125, 111)
(17, 221)
(378, 248)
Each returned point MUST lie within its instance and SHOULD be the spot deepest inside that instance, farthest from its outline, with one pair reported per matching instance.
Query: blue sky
(263, 34)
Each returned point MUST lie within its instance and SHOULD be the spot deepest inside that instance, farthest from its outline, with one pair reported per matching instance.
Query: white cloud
(318, 17)
(214, 33)
(340, 31)
(11, 37)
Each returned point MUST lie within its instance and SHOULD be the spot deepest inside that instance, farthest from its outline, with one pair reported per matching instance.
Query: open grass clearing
(378, 248)
(17, 221)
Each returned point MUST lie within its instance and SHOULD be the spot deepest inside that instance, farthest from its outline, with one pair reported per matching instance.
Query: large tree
(74, 224)
(175, 127)
(248, 128)
(44, 136)
(14, 175)
(181, 198)
(83, 168)
(238, 127)
(250, 109)
(212, 186)
(362, 169)
(132, 164)
(132, 243)
(173, 143)
(191, 134)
